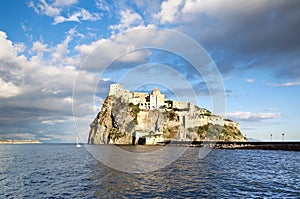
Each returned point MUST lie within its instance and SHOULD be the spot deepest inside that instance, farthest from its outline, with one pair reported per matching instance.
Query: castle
(147, 101)
(128, 117)
(187, 112)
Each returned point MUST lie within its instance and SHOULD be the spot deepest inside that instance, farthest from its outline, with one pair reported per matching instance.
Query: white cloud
(102, 5)
(148, 6)
(88, 48)
(56, 8)
(250, 80)
(45, 139)
(38, 87)
(128, 19)
(74, 32)
(68, 100)
(242, 29)
(42, 7)
(10, 50)
(225, 8)
(39, 47)
(170, 11)
(63, 3)
(61, 50)
(87, 16)
(8, 89)
(178, 11)
(286, 84)
(54, 121)
(81, 15)
(249, 116)
(19, 47)
(101, 52)
(105, 79)
(126, 47)
(60, 19)
(11, 60)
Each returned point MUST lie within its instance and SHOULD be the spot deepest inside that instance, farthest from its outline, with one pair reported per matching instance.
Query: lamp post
(282, 137)
(271, 137)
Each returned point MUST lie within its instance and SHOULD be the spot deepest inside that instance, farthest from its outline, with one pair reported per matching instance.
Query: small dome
(155, 91)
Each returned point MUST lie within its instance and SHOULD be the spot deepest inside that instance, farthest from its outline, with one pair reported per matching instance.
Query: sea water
(64, 171)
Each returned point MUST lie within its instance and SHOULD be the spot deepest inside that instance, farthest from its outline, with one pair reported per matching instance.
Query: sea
(64, 171)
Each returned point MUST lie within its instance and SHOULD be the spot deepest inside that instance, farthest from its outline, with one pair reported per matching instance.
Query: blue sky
(44, 46)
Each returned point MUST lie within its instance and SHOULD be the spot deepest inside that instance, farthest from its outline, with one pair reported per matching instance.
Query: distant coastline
(20, 142)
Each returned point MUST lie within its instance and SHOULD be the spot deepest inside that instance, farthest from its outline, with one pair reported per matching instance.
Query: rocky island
(128, 117)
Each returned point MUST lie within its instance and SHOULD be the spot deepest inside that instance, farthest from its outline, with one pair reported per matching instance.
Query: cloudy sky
(50, 48)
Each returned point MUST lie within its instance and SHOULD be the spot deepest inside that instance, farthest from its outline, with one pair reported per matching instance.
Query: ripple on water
(63, 171)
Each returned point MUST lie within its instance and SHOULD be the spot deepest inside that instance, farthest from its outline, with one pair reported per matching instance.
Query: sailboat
(77, 144)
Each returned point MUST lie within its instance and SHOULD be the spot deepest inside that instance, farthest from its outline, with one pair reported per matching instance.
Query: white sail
(77, 144)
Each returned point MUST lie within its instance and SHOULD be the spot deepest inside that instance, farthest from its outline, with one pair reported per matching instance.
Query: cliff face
(119, 120)
(114, 124)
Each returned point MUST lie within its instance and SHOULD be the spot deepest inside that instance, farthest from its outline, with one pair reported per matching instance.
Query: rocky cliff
(118, 121)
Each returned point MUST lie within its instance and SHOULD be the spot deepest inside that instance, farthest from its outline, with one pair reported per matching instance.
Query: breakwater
(291, 146)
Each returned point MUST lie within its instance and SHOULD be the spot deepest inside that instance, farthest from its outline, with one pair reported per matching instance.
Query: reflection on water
(136, 159)
(64, 171)
(181, 179)
(45, 171)
(140, 148)
(223, 173)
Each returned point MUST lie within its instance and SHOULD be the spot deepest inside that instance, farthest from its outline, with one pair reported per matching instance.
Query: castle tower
(155, 92)
(114, 89)
(156, 99)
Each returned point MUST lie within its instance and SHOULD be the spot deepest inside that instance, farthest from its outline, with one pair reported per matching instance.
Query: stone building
(188, 114)
(115, 89)
(146, 101)
(157, 99)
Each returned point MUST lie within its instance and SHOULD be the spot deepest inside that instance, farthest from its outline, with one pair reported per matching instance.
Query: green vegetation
(207, 113)
(202, 131)
(171, 132)
(171, 115)
(135, 120)
(197, 107)
(135, 108)
(230, 133)
(151, 133)
(163, 107)
(190, 129)
(217, 132)
(208, 131)
(213, 132)
(120, 135)
(115, 134)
